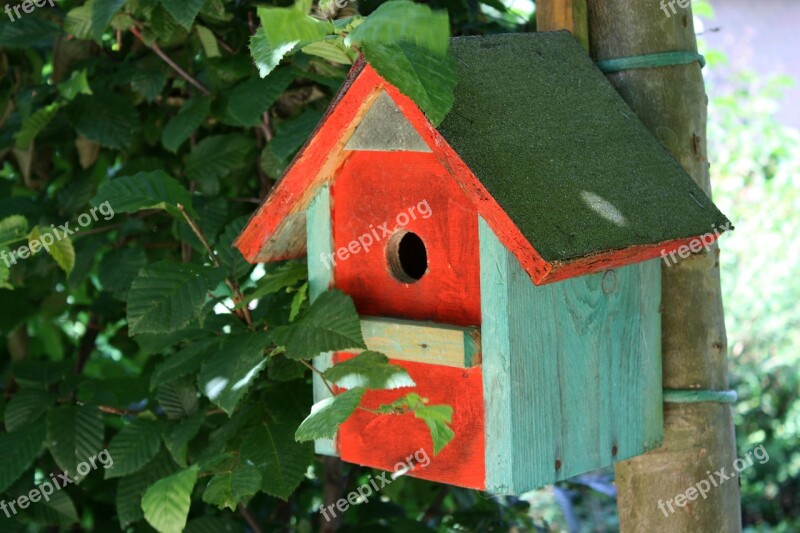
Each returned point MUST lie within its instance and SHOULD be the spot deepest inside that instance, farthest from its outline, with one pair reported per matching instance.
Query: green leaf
(178, 398)
(57, 510)
(144, 190)
(167, 296)
(119, 268)
(18, 449)
(189, 118)
(252, 98)
(226, 377)
(427, 78)
(40, 374)
(78, 21)
(183, 11)
(13, 229)
(370, 370)
(77, 84)
(134, 446)
(291, 134)
(330, 324)
(208, 41)
(34, 124)
(328, 414)
(404, 21)
(102, 11)
(236, 265)
(27, 32)
(230, 488)
(437, 418)
(177, 439)
(26, 406)
(287, 275)
(130, 488)
(333, 50)
(61, 250)
(283, 30)
(166, 503)
(186, 361)
(149, 82)
(297, 301)
(214, 157)
(105, 118)
(284, 462)
(74, 434)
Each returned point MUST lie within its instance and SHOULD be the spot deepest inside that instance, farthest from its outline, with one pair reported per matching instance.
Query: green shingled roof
(562, 153)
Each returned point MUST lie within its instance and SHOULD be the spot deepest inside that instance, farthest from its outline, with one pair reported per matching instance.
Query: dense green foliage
(188, 367)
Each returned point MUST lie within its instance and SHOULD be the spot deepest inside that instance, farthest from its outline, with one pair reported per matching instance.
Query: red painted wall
(381, 441)
(372, 190)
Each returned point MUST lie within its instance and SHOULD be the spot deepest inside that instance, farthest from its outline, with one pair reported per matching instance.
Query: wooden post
(698, 437)
(570, 15)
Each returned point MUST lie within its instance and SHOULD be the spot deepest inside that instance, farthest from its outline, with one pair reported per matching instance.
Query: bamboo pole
(698, 437)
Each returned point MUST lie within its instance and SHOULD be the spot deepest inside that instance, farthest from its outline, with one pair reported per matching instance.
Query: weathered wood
(383, 441)
(571, 370)
(419, 342)
(385, 129)
(379, 193)
(570, 15)
(320, 279)
(671, 101)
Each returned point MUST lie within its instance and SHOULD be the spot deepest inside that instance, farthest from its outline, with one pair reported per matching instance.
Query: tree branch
(160, 53)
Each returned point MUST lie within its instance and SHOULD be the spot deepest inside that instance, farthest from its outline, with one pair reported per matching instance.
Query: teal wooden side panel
(496, 362)
(320, 278)
(584, 374)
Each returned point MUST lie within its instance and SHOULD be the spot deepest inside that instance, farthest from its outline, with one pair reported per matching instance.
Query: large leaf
(18, 449)
(166, 503)
(214, 157)
(327, 415)
(26, 406)
(13, 229)
(61, 250)
(78, 21)
(177, 439)
(183, 11)
(283, 461)
(284, 29)
(131, 488)
(186, 361)
(230, 488)
(236, 265)
(370, 370)
(134, 446)
(119, 268)
(284, 276)
(426, 77)
(144, 190)
(252, 98)
(74, 434)
(226, 377)
(189, 118)
(330, 324)
(166, 296)
(105, 118)
(178, 398)
(35, 123)
(291, 134)
(404, 21)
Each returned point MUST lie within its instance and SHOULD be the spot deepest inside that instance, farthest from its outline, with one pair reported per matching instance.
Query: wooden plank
(498, 386)
(581, 386)
(570, 15)
(420, 342)
(385, 129)
(383, 441)
(320, 278)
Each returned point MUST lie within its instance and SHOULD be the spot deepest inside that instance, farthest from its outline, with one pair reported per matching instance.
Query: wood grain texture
(570, 15)
(381, 441)
(320, 279)
(571, 370)
(380, 193)
(419, 342)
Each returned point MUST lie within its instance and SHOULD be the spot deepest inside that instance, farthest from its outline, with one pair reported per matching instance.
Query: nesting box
(505, 259)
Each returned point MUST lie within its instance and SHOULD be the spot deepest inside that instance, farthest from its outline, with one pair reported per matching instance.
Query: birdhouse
(507, 259)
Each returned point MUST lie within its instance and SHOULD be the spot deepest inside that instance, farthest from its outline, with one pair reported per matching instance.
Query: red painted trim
(293, 192)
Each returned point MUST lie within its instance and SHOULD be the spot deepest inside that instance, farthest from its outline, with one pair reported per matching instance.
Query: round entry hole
(408, 258)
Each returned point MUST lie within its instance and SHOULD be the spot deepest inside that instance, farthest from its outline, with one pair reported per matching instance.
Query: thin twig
(322, 375)
(160, 53)
(251, 521)
(232, 284)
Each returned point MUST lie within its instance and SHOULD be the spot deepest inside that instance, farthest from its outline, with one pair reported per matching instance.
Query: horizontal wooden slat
(420, 342)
